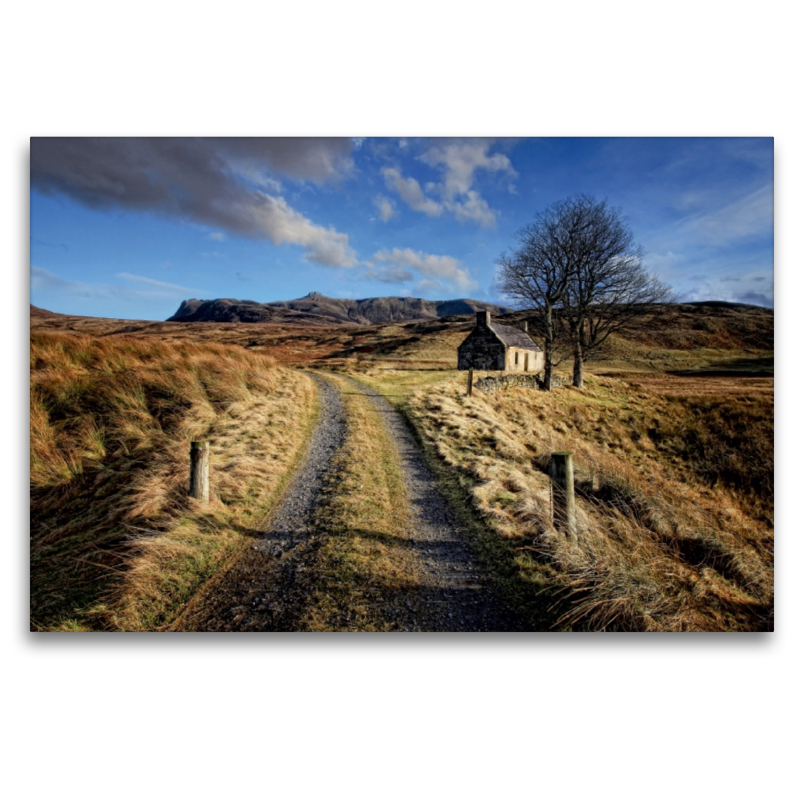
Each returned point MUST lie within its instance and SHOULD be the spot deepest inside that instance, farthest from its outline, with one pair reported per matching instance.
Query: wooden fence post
(562, 474)
(469, 384)
(198, 475)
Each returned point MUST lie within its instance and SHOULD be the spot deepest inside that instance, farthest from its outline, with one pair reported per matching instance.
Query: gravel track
(269, 586)
(456, 595)
(265, 589)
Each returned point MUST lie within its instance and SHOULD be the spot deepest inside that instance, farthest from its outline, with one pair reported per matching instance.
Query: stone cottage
(492, 346)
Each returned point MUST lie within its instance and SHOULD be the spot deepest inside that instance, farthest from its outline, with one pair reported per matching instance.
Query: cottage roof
(514, 337)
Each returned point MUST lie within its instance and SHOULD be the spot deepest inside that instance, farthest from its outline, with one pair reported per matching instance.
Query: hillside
(42, 312)
(673, 442)
(674, 495)
(675, 338)
(317, 309)
(116, 543)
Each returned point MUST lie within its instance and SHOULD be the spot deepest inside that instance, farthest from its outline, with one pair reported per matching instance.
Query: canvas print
(401, 384)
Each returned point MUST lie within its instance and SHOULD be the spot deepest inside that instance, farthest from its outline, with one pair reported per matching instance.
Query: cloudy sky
(130, 227)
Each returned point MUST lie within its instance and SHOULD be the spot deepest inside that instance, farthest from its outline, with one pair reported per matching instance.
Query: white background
(405, 716)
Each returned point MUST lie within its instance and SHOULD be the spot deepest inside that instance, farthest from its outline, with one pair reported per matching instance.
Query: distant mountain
(316, 309)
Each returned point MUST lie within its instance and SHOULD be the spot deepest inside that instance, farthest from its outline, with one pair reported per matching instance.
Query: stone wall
(482, 350)
(491, 384)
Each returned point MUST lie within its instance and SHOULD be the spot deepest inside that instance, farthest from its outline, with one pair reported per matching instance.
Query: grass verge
(675, 531)
(365, 566)
(116, 544)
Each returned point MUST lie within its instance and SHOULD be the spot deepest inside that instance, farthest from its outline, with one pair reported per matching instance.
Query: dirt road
(456, 595)
(269, 587)
(266, 589)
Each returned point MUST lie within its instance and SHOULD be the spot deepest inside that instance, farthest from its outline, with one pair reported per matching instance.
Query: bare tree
(577, 265)
(535, 275)
(609, 289)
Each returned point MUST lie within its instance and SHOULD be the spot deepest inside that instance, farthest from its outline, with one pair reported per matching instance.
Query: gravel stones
(457, 595)
(269, 586)
(264, 590)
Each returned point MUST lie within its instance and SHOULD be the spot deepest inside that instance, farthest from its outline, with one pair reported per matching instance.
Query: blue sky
(130, 227)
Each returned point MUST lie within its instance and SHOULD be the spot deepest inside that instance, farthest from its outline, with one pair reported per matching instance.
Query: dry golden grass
(681, 337)
(115, 541)
(674, 499)
(675, 473)
(365, 564)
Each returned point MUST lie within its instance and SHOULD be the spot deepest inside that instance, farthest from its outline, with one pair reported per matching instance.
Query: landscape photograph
(388, 384)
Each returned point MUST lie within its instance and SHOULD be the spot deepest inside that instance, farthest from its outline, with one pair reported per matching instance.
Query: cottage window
(516, 358)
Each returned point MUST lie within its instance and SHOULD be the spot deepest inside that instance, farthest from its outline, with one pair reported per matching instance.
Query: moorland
(672, 435)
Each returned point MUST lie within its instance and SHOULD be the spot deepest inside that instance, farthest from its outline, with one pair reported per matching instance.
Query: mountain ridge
(317, 309)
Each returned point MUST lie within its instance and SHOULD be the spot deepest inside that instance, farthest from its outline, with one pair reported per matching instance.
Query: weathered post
(198, 475)
(469, 384)
(562, 474)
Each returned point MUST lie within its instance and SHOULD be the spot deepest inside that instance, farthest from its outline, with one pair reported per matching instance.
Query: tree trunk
(547, 380)
(549, 339)
(579, 351)
(577, 368)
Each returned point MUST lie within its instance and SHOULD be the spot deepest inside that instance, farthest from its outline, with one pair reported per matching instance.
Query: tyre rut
(267, 588)
(456, 594)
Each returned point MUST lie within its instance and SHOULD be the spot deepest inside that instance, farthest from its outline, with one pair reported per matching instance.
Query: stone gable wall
(482, 350)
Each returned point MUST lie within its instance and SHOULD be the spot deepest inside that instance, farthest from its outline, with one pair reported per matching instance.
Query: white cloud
(663, 264)
(386, 208)
(257, 176)
(713, 275)
(458, 161)
(752, 288)
(411, 192)
(433, 267)
(217, 236)
(751, 215)
(394, 273)
(44, 279)
(282, 224)
(299, 158)
(218, 183)
(49, 285)
(474, 209)
(170, 287)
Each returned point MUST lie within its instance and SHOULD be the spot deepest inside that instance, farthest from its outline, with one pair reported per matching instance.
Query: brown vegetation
(674, 468)
(115, 541)
(674, 496)
(687, 337)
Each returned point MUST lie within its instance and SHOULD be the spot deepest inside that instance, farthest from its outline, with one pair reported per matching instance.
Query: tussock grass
(675, 531)
(365, 565)
(116, 543)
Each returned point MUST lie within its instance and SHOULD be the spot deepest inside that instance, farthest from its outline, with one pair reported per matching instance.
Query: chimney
(525, 325)
(484, 319)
